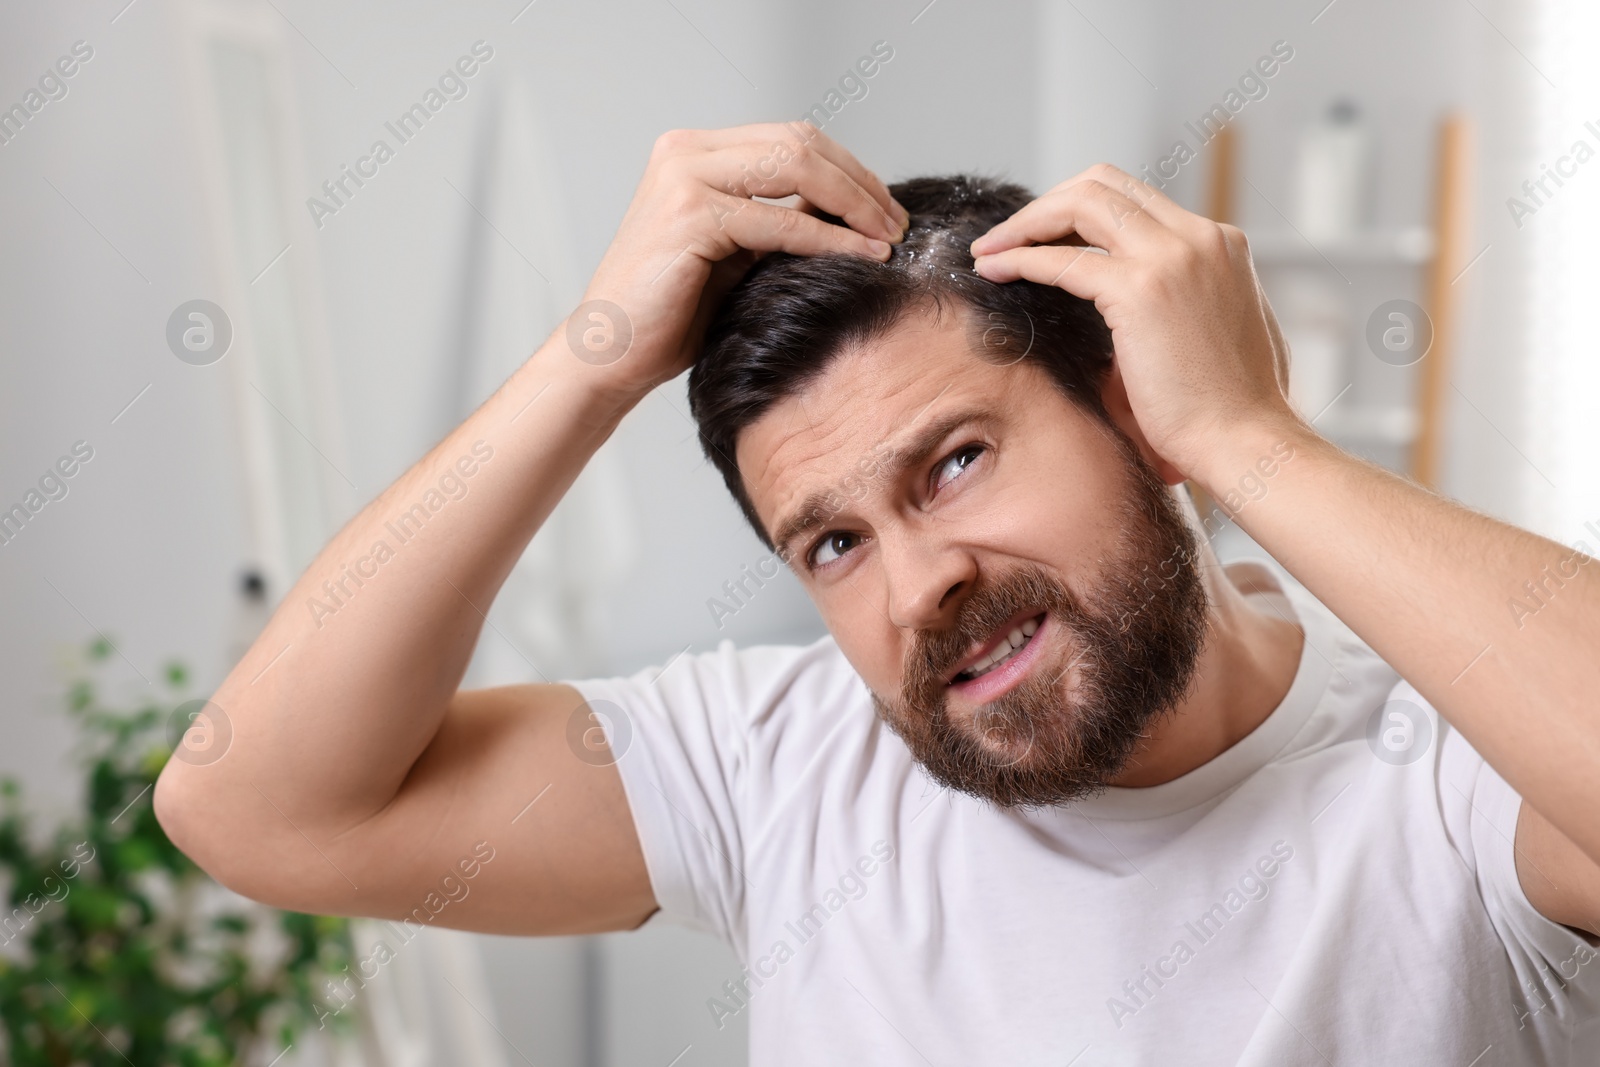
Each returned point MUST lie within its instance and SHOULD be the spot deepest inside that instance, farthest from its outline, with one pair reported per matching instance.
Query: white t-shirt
(1337, 888)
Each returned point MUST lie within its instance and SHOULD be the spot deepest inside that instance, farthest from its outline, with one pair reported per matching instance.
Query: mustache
(934, 654)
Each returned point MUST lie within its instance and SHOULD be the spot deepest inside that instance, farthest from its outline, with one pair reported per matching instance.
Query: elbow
(180, 804)
(229, 839)
(206, 810)
(195, 817)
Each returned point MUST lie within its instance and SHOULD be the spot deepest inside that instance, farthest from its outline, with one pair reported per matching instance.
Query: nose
(927, 577)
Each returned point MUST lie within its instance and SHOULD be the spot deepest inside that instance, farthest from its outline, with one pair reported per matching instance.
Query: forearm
(350, 680)
(1444, 595)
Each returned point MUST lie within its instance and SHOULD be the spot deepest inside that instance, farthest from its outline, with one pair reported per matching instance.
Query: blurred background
(235, 318)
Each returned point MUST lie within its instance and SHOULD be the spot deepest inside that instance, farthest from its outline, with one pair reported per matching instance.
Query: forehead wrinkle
(839, 419)
(810, 512)
(792, 437)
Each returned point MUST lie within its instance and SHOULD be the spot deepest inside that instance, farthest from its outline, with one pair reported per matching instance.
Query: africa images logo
(1399, 732)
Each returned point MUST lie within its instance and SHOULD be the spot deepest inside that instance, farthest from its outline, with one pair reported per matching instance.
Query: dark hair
(790, 316)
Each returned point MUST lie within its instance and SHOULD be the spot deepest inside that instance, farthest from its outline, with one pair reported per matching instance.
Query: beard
(1127, 653)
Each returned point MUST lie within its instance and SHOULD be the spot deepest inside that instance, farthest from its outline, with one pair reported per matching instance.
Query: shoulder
(760, 686)
(737, 701)
(714, 748)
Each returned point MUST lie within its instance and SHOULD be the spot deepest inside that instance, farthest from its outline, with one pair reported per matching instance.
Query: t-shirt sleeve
(703, 744)
(678, 735)
(1557, 969)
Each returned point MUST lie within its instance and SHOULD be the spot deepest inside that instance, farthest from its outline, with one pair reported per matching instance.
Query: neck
(1246, 668)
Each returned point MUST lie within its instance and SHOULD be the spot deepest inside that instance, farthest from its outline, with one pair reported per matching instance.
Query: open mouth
(1006, 644)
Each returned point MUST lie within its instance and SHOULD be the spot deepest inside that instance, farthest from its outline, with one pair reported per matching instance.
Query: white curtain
(519, 281)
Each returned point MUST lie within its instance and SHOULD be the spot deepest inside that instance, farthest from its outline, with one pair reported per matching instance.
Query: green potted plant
(115, 948)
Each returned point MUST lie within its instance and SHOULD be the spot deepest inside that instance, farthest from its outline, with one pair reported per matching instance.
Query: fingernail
(905, 216)
(879, 249)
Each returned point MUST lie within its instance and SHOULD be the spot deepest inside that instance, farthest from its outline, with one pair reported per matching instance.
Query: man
(1058, 787)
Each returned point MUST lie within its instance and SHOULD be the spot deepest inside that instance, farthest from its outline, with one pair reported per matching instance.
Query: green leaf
(120, 952)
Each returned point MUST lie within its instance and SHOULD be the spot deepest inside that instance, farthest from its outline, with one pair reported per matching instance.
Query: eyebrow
(814, 511)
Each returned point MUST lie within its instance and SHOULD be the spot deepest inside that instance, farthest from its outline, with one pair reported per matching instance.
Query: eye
(832, 547)
(957, 463)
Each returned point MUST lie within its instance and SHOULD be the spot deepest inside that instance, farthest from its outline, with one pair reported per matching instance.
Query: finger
(768, 228)
(778, 142)
(797, 135)
(754, 169)
(1083, 272)
(1161, 207)
(1094, 211)
(858, 172)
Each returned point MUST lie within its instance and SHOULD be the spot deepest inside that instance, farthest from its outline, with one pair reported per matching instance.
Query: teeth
(993, 661)
(1008, 647)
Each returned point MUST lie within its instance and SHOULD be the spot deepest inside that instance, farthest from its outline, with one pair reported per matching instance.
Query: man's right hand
(358, 779)
(693, 229)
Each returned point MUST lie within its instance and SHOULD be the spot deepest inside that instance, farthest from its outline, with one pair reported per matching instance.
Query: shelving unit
(1390, 413)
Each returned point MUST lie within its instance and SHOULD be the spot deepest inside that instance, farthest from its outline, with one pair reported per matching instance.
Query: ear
(1114, 395)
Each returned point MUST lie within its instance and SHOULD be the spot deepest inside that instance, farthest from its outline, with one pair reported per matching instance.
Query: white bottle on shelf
(1334, 178)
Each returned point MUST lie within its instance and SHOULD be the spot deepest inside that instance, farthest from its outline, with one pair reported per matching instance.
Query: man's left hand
(1195, 342)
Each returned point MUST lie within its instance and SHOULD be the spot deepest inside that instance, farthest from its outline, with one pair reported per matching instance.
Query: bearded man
(1057, 786)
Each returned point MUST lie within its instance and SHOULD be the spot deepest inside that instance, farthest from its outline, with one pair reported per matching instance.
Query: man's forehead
(869, 396)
